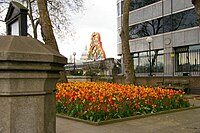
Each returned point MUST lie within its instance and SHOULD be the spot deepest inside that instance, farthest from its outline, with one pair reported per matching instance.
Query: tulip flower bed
(104, 101)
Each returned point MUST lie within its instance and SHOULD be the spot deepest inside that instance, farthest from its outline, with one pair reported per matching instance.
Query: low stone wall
(194, 83)
(79, 78)
(114, 79)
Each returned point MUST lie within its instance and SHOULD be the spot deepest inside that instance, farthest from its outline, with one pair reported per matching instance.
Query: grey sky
(99, 16)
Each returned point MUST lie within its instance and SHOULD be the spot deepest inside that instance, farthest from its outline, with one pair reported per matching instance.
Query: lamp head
(149, 39)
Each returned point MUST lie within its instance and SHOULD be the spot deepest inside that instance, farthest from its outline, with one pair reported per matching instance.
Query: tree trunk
(196, 4)
(46, 27)
(127, 58)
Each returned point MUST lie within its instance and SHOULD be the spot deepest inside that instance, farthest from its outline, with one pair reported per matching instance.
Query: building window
(118, 8)
(187, 59)
(142, 64)
(178, 21)
(136, 4)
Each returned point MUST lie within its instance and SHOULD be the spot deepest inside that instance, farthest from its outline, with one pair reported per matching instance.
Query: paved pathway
(178, 122)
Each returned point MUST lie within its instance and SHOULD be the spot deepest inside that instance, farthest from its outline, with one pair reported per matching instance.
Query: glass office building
(173, 27)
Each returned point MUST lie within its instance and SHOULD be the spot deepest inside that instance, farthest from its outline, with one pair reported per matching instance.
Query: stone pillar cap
(21, 48)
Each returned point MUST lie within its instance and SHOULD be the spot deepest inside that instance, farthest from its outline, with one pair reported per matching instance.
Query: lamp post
(74, 54)
(149, 40)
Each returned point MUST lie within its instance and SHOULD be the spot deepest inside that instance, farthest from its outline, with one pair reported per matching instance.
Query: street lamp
(74, 54)
(149, 40)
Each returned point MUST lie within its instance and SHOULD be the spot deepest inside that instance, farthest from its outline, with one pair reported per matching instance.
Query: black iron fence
(187, 62)
(182, 62)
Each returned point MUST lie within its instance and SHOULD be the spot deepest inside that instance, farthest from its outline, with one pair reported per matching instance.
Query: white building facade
(173, 27)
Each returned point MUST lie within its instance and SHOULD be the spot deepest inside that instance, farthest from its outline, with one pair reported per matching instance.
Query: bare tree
(127, 59)
(59, 11)
(196, 4)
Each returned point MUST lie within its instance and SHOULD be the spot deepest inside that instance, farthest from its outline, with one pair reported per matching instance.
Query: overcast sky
(98, 16)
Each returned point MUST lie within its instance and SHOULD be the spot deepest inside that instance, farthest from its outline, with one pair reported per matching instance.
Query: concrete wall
(156, 10)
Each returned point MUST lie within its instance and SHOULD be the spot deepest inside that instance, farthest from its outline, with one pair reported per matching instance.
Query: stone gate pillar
(29, 71)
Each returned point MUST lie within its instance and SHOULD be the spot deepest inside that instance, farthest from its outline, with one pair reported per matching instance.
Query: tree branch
(4, 2)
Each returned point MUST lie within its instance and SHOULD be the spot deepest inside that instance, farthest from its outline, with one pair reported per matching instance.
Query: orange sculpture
(96, 51)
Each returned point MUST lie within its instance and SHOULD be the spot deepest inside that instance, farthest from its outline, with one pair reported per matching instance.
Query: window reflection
(165, 24)
(184, 20)
(135, 4)
(188, 59)
(142, 64)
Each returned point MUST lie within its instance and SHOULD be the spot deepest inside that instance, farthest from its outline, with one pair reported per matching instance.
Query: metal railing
(180, 63)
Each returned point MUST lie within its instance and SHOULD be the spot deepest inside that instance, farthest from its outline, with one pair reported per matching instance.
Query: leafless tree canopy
(60, 12)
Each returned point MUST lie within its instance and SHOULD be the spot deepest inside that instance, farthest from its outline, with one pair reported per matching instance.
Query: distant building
(108, 66)
(84, 55)
(173, 27)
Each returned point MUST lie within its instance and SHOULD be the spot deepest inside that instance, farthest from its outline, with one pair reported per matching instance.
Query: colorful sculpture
(96, 51)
